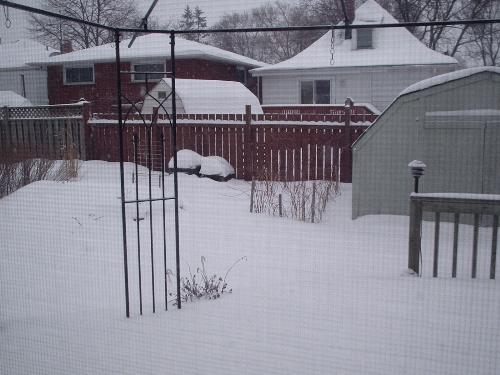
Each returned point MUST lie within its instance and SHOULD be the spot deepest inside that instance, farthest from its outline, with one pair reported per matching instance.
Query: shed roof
(435, 81)
(212, 96)
(152, 46)
(17, 54)
(392, 46)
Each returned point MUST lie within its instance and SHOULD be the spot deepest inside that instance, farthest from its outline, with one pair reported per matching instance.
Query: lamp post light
(417, 169)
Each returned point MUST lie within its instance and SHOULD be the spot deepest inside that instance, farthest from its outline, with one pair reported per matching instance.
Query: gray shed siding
(35, 83)
(376, 85)
(461, 152)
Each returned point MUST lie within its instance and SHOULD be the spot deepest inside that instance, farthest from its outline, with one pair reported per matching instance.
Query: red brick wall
(102, 94)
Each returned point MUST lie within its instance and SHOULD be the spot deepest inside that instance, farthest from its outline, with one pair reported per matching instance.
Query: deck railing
(459, 205)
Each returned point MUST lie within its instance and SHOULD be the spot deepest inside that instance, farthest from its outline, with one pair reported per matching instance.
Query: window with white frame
(78, 75)
(315, 92)
(149, 67)
(364, 38)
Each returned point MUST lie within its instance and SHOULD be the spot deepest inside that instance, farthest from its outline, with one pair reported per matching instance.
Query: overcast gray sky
(165, 11)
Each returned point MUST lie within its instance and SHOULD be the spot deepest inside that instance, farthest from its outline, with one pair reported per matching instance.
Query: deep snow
(329, 298)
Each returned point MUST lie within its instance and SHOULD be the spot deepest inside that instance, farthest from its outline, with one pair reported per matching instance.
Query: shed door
(453, 153)
(491, 177)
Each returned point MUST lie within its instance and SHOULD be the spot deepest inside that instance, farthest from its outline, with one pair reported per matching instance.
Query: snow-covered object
(391, 46)
(443, 78)
(417, 164)
(205, 96)
(152, 46)
(216, 166)
(17, 54)
(11, 99)
(186, 159)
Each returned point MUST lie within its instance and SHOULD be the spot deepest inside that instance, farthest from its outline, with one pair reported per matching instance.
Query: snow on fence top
(203, 96)
(151, 46)
(447, 77)
(391, 46)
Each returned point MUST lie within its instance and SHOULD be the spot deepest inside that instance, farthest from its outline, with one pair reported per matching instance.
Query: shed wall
(35, 84)
(454, 159)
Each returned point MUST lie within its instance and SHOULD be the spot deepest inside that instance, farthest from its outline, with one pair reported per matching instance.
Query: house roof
(152, 46)
(17, 54)
(392, 46)
(12, 99)
(213, 96)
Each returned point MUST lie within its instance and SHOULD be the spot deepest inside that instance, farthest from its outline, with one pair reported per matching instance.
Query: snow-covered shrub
(186, 159)
(204, 285)
(216, 166)
(300, 200)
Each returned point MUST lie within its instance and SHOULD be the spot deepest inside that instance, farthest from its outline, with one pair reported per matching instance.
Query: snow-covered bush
(300, 200)
(203, 285)
(215, 166)
(186, 159)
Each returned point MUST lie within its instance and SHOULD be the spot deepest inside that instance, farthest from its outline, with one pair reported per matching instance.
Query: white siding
(364, 85)
(35, 83)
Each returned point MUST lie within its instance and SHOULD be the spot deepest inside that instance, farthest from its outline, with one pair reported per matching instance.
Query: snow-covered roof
(11, 99)
(443, 78)
(391, 46)
(152, 46)
(17, 54)
(212, 96)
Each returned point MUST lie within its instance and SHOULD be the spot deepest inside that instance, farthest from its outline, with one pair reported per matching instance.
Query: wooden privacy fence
(459, 205)
(283, 147)
(43, 131)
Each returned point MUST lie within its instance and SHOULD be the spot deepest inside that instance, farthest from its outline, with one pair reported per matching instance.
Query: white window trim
(133, 64)
(78, 83)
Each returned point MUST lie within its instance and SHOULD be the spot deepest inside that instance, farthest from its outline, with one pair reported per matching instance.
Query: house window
(157, 67)
(162, 94)
(241, 75)
(315, 92)
(78, 75)
(365, 38)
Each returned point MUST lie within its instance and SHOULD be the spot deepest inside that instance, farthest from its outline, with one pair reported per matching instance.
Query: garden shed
(450, 122)
(198, 96)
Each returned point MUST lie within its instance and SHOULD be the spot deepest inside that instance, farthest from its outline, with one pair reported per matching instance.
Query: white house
(198, 96)
(372, 66)
(451, 123)
(29, 81)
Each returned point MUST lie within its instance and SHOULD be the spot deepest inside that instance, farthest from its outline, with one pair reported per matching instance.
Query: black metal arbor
(122, 118)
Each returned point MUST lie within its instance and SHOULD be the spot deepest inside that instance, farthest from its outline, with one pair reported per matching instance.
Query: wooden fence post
(414, 236)
(248, 148)
(346, 169)
(4, 127)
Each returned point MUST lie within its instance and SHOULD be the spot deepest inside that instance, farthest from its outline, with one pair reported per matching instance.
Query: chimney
(66, 46)
(349, 9)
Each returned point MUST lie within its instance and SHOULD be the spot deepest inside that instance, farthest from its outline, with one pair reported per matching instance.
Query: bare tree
(54, 32)
(485, 45)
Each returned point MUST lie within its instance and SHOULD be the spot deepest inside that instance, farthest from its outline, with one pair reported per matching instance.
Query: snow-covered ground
(329, 298)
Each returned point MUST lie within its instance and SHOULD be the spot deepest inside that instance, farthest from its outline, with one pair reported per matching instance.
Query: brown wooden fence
(285, 148)
(43, 131)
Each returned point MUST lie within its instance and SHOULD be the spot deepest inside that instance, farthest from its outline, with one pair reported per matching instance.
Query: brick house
(91, 73)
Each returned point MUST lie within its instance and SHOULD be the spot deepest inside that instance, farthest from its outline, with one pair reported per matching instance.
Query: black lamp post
(417, 169)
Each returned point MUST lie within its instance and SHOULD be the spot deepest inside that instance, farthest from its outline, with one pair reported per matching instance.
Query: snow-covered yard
(329, 298)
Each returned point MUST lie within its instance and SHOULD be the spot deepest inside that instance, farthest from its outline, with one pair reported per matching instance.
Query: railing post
(415, 235)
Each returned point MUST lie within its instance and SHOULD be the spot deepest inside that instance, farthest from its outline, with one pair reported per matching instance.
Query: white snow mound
(216, 166)
(186, 159)
(12, 99)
